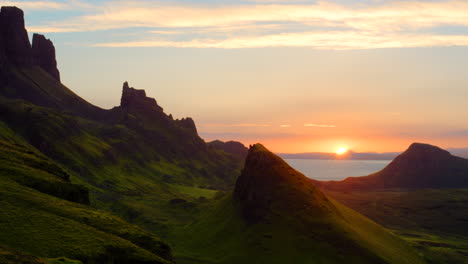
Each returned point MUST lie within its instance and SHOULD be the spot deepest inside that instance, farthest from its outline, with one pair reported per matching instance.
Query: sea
(335, 170)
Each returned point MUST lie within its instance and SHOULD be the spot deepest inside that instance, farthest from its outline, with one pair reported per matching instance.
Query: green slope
(35, 219)
(134, 161)
(276, 215)
(432, 220)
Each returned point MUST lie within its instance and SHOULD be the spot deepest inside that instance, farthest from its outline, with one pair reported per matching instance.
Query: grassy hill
(277, 215)
(133, 160)
(420, 166)
(67, 168)
(432, 220)
(39, 216)
(61, 157)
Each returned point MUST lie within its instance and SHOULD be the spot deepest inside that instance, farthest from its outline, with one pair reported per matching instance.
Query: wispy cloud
(271, 23)
(285, 126)
(318, 125)
(44, 5)
(331, 40)
(35, 4)
(234, 125)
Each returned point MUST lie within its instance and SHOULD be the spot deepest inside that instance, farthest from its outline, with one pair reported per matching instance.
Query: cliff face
(43, 51)
(134, 98)
(151, 115)
(16, 45)
(15, 48)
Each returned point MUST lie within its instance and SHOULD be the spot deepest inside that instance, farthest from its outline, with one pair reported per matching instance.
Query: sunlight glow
(341, 150)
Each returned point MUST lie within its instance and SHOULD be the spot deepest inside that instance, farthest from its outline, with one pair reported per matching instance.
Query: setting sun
(341, 150)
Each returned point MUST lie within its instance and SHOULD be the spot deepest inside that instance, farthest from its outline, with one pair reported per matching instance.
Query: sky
(295, 75)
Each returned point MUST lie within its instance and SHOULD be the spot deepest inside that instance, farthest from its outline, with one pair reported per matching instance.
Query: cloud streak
(47, 5)
(323, 25)
(332, 40)
(319, 125)
(235, 125)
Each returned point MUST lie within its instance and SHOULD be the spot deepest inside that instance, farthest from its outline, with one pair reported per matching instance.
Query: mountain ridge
(132, 161)
(420, 166)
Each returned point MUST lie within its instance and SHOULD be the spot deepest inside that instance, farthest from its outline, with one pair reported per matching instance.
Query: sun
(341, 150)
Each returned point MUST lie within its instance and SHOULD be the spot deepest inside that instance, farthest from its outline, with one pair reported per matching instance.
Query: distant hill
(277, 215)
(232, 147)
(460, 152)
(420, 166)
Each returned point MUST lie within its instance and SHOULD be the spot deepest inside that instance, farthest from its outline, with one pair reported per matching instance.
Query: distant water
(336, 169)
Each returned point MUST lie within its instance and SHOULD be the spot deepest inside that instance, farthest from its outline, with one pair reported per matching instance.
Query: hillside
(47, 216)
(232, 147)
(277, 215)
(420, 166)
(133, 158)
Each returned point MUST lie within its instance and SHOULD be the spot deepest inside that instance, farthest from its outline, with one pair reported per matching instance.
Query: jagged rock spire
(15, 48)
(44, 53)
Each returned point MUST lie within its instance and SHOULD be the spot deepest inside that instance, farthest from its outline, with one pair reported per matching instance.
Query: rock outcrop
(15, 48)
(146, 112)
(420, 166)
(43, 51)
(134, 98)
(16, 43)
(187, 123)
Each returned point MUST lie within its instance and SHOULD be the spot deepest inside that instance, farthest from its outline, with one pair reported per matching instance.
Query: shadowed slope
(420, 166)
(267, 184)
(277, 215)
(234, 148)
(43, 214)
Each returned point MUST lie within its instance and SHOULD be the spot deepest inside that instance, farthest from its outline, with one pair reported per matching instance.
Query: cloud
(332, 40)
(44, 5)
(318, 125)
(234, 125)
(35, 4)
(285, 125)
(323, 25)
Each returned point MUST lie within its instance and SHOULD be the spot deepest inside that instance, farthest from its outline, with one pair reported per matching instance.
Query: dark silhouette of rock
(16, 43)
(2, 53)
(16, 49)
(420, 166)
(234, 148)
(134, 98)
(44, 53)
(268, 184)
(187, 123)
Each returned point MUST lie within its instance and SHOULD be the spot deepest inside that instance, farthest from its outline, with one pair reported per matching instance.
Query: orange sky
(369, 75)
